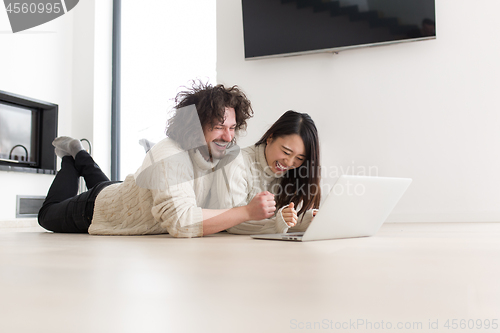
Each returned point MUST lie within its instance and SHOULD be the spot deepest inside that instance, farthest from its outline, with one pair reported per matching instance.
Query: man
(169, 190)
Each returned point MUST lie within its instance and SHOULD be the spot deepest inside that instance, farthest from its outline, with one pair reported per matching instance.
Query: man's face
(221, 135)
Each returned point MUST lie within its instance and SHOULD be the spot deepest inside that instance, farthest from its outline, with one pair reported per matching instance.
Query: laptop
(356, 206)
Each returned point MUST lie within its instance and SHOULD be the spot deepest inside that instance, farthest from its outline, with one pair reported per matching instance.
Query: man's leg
(64, 210)
(65, 184)
(86, 167)
(57, 210)
(84, 163)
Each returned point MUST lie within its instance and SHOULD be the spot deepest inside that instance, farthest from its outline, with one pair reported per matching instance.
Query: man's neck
(205, 154)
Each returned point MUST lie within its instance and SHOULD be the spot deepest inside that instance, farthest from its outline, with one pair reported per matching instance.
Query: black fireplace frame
(46, 133)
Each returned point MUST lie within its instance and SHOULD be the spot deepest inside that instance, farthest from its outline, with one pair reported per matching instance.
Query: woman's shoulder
(250, 160)
(238, 165)
(249, 153)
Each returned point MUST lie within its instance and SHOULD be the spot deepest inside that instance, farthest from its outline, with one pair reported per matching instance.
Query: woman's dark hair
(210, 102)
(301, 184)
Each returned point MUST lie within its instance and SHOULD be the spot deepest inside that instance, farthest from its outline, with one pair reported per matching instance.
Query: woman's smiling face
(285, 153)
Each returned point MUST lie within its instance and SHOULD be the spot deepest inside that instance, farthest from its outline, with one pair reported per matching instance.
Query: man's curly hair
(210, 102)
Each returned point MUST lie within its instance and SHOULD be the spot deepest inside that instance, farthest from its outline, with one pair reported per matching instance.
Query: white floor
(408, 278)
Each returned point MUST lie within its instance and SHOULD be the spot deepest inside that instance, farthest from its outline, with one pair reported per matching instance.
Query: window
(164, 45)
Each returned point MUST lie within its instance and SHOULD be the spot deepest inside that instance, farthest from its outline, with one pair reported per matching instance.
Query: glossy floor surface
(407, 278)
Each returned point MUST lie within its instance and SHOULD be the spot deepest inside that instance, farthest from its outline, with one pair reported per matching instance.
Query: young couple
(188, 184)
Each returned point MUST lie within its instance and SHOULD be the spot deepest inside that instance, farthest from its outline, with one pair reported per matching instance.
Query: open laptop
(356, 206)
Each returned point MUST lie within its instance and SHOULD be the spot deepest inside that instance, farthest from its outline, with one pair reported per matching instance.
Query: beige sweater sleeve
(303, 221)
(171, 181)
(273, 225)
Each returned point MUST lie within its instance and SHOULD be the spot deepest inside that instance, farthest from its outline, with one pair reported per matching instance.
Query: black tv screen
(292, 27)
(17, 128)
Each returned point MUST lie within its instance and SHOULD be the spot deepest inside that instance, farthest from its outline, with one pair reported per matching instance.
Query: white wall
(36, 63)
(426, 110)
(55, 62)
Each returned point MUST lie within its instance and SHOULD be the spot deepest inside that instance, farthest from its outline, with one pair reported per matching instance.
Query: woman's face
(284, 153)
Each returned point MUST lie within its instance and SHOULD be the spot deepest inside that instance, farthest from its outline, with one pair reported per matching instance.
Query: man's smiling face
(221, 135)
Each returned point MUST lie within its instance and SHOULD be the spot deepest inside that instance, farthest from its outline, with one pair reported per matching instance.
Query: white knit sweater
(165, 195)
(245, 177)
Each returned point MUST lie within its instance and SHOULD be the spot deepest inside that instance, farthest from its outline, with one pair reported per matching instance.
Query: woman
(285, 162)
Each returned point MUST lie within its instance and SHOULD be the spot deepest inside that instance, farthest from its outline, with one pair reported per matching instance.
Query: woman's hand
(290, 215)
(262, 206)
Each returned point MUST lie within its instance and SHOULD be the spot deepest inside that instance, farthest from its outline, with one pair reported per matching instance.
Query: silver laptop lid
(356, 206)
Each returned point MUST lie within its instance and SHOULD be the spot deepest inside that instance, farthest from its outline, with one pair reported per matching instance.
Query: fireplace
(27, 129)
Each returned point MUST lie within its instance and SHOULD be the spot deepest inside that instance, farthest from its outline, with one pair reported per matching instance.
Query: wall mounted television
(293, 27)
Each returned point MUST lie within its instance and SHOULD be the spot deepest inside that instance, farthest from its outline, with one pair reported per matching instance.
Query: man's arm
(261, 207)
(233, 189)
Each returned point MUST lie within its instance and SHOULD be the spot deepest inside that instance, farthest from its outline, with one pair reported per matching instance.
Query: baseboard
(444, 217)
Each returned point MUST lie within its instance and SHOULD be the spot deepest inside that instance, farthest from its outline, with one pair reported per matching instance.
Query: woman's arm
(303, 221)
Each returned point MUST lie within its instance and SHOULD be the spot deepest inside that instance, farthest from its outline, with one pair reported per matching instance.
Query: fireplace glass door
(18, 133)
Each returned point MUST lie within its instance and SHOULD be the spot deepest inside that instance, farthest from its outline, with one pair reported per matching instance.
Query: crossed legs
(64, 210)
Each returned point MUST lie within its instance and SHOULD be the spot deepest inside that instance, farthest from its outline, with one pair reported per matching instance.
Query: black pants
(65, 211)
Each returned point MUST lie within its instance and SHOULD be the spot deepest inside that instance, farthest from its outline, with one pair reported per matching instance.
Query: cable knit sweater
(164, 196)
(244, 178)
